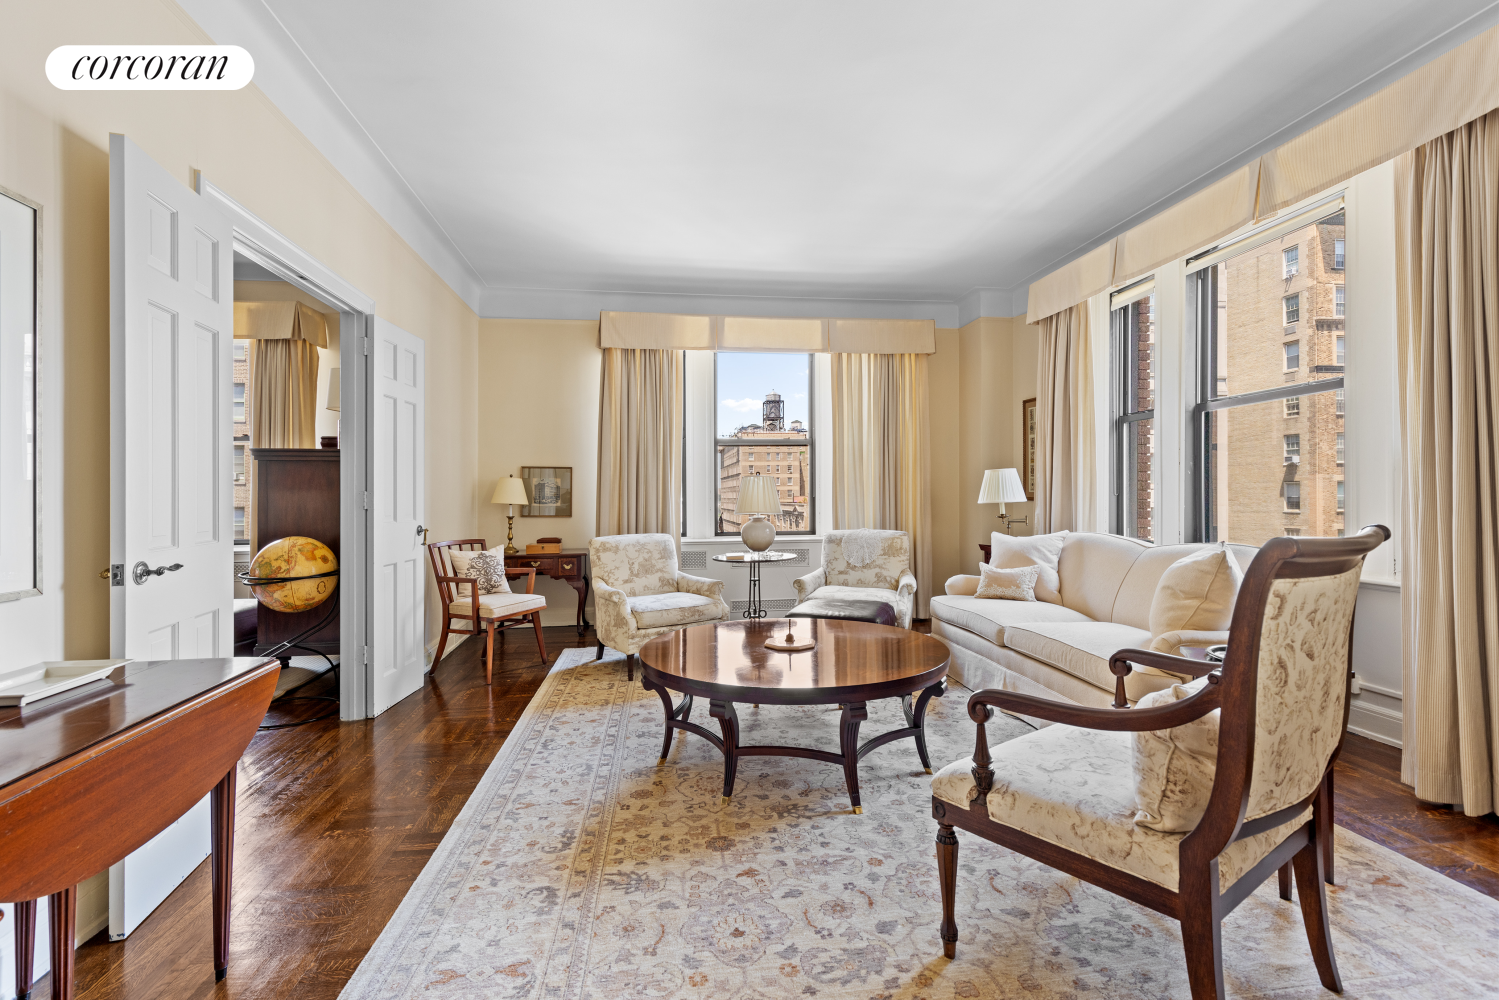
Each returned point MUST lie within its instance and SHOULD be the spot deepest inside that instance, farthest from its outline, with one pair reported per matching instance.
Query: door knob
(140, 571)
(423, 532)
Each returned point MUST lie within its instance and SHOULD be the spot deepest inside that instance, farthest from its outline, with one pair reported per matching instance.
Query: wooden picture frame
(1028, 442)
(550, 488)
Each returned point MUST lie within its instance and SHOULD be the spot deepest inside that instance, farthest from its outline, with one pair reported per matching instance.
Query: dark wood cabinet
(296, 493)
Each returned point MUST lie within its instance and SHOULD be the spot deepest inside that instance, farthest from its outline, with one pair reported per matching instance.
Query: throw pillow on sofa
(1174, 768)
(1017, 584)
(486, 567)
(1045, 551)
(1197, 593)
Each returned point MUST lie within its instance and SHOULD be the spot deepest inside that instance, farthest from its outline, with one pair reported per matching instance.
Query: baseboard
(1376, 723)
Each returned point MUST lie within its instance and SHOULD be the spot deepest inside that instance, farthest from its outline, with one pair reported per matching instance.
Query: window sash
(766, 447)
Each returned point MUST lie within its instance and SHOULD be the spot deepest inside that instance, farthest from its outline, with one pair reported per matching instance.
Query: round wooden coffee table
(852, 664)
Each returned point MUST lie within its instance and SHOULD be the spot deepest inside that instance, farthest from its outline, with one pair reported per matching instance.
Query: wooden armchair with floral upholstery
(475, 596)
(1187, 802)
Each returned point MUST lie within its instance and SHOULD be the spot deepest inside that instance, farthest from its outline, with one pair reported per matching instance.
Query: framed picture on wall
(1028, 428)
(550, 489)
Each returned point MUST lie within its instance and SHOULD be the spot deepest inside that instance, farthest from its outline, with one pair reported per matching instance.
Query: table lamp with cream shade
(758, 497)
(1003, 486)
(510, 491)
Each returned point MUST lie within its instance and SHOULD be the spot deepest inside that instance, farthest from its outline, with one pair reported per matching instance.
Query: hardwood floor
(336, 820)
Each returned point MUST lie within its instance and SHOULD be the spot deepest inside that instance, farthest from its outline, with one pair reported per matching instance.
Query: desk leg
(63, 907)
(580, 584)
(25, 916)
(853, 714)
(221, 813)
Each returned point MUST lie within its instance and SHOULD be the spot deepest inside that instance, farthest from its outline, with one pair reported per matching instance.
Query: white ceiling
(836, 150)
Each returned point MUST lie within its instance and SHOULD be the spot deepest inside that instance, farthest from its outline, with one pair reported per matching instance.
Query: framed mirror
(20, 523)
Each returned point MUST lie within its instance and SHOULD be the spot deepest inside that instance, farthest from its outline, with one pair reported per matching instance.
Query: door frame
(259, 241)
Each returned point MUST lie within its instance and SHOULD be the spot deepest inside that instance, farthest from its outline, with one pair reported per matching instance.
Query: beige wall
(54, 150)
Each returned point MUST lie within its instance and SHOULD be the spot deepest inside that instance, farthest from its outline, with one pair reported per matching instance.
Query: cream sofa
(1062, 650)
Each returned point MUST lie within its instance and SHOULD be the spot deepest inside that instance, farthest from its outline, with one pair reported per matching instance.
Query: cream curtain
(881, 452)
(283, 394)
(1447, 302)
(1066, 493)
(640, 443)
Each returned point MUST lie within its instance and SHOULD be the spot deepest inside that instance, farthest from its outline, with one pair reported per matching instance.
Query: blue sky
(744, 379)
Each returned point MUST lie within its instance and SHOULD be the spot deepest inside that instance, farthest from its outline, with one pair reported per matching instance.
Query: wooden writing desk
(91, 775)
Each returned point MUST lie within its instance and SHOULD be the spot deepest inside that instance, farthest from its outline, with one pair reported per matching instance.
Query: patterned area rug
(579, 869)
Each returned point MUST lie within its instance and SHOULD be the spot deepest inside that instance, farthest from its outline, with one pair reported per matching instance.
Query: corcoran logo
(149, 67)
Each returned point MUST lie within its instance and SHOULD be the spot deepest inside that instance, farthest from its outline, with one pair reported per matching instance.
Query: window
(1338, 406)
(1339, 303)
(765, 398)
(1337, 257)
(239, 525)
(1291, 259)
(1338, 351)
(239, 463)
(1340, 496)
(239, 402)
(1293, 532)
(1132, 352)
(1339, 446)
(239, 350)
(1246, 474)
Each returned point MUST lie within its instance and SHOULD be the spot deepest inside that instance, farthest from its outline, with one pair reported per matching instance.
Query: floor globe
(291, 574)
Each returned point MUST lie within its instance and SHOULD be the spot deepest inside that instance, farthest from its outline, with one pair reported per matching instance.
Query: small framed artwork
(1028, 428)
(550, 489)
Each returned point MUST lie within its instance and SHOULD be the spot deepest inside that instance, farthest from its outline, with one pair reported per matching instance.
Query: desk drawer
(569, 566)
(545, 565)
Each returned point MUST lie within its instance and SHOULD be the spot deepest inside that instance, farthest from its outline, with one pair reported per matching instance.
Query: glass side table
(753, 560)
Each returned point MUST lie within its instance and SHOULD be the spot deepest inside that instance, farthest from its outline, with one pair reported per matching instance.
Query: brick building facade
(790, 466)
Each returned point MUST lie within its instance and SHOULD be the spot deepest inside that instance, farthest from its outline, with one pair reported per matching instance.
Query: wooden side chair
(461, 601)
(1066, 795)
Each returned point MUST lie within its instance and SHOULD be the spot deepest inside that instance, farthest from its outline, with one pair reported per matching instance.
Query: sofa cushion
(1082, 649)
(1018, 584)
(1011, 552)
(1072, 787)
(1093, 567)
(1174, 768)
(1196, 593)
(498, 605)
(990, 618)
(669, 610)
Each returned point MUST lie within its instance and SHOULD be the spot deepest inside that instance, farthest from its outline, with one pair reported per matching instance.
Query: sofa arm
(699, 585)
(1172, 642)
(962, 586)
(807, 585)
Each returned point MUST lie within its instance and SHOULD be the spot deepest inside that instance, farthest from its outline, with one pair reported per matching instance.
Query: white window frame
(1286, 492)
(1291, 261)
(1286, 302)
(1339, 301)
(1293, 406)
(1289, 348)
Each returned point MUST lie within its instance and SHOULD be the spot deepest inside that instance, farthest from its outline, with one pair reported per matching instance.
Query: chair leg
(1312, 888)
(599, 655)
(1202, 935)
(540, 642)
(489, 653)
(947, 874)
(630, 667)
(1283, 876)
(1323, 809)
(442, 644)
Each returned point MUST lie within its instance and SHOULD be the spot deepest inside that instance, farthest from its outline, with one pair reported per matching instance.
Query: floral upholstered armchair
(864, 565)
(639, 593)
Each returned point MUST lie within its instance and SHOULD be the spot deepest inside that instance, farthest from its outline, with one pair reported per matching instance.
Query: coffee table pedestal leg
(916, 717)
(848, 730)
(728, 721)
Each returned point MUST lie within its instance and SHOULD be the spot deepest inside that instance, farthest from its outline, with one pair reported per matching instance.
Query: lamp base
(510, 548)
(759, 534)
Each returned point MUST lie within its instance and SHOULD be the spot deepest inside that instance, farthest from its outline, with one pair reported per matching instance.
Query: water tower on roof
(772, 413)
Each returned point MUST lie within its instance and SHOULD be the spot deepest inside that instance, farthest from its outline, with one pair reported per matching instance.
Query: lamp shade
(510, 490)
(333, 389)
(757, 495)
(1001, 486)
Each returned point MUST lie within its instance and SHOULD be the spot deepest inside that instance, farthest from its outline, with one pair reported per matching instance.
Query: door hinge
(366, 499)
(366, 655)
(366, 342)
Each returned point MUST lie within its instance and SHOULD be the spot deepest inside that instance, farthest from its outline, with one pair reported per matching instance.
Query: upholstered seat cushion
(1083, 650)
(498, 605)
(1074, 788)
(667, 610)
(989, 619)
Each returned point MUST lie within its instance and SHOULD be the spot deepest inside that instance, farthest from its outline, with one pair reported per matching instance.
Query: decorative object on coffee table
(874, 612)
(758, 497)
(549, 491)
(510, 491)
(790, 642)
(756, 608)
(852, 664)
(1003, 486)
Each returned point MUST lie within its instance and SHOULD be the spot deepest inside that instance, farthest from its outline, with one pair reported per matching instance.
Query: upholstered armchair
(638, 593)
(1187, 802)
(864, 565)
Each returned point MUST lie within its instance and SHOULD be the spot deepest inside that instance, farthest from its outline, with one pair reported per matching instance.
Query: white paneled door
(171, 538)
(397, 509)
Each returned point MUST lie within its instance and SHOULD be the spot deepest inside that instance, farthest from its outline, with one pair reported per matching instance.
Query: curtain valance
(668, 331)
(285, 320)
(1451, 90)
